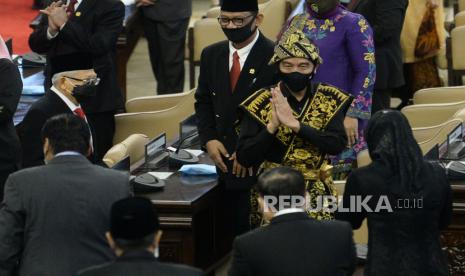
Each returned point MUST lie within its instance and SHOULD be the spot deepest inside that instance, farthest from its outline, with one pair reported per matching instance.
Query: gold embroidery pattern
(301, 154)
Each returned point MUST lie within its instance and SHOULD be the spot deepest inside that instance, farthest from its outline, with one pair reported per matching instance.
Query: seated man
(134, 236)
(297, 123)
(68, 88)
(293, 244)
(54, 217)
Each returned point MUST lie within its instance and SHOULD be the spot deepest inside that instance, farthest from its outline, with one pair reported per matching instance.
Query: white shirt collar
(76, 5)
(67, 101)
(243, 52)
(68, 153)
(288, 211)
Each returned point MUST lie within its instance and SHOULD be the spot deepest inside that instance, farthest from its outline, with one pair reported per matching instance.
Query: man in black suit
(293, 243)
(230, 71)
(11, 87)
(54, 217)
(62, 97)
(83, 35)
(134, 236)
(165, 26)
(387, 19)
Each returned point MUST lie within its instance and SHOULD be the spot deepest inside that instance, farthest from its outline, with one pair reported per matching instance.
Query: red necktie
(80, 113)
(70, 8)
(235, 71)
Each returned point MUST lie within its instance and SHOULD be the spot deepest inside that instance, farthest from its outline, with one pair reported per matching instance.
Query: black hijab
(390, 142)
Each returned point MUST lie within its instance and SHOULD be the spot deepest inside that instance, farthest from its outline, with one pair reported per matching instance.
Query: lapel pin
(78, 14)
(252, 71)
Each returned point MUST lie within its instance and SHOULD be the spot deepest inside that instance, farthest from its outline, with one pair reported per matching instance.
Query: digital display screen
(188, 126)
(456, 135)
(155, 146)
(443, 149)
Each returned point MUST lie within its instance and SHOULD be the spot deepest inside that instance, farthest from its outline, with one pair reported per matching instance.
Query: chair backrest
(154, 123)
(426, 115)
(440, 135)
(437, 95)
(461, 5)
(156, 103)
(460, 19)
(363, 159)
(133, 146)
(458, 54)
(424, 134)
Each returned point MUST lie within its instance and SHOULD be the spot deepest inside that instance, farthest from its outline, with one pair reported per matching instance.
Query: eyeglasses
(237, 21)
(92, 81)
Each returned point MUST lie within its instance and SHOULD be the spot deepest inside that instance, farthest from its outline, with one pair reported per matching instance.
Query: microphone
(181, 157)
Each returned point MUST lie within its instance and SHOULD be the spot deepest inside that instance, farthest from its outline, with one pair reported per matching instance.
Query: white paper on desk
(161, 175)
(191, 151)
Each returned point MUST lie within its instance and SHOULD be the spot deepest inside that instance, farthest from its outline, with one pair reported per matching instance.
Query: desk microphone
(182, 157)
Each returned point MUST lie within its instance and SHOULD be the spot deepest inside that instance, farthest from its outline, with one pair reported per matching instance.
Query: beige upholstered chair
(207, 31)
(154, 123)
(451, 94)
(156, 103)
(424, 134)
(456, 59)
(133, 146)
(427, 115)
(459, 19)
(459, 6)
(440, 136)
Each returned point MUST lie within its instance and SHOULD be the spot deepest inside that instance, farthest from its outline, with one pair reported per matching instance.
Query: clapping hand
(283, 110)
(57, 16)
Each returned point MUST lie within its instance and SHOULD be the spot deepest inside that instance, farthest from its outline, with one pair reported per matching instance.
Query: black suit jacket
(139, 263)
(86, 41)
(216, 106)
(168, 10)
(295, 244)
(11, 87)
(54, 217)
(387, 19)
(29, 130)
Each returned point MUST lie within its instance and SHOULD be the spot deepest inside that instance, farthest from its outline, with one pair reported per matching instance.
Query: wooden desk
(189, 216)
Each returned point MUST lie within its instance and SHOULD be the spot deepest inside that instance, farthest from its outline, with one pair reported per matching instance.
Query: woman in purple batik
(346, 45)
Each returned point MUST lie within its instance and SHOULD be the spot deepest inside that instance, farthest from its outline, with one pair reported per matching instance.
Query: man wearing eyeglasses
(229, 72)
(68, 89)
(82, 34)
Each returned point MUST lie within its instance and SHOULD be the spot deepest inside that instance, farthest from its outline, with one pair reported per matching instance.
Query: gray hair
(58, 76)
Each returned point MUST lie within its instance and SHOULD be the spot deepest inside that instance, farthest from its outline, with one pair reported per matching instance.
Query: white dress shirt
(243, 52)
(49, 35)
(289, 211)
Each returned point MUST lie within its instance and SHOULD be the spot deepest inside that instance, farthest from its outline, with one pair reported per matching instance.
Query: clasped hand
(281, 112)
(216, 151)
(57, 16)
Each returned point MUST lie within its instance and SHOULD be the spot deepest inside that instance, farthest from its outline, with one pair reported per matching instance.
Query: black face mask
(240, 35)
(84, 91)
(296, 81)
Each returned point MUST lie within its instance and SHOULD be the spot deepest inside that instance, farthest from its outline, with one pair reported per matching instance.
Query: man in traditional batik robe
(296, 123)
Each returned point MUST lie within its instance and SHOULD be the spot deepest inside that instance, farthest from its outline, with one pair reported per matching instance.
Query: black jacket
(387, 19)
(216, 106)
(29, 130)
(88, 40)
(139, 263)
(406, 241)
(295, 244)
(11, 87)
(54, 217)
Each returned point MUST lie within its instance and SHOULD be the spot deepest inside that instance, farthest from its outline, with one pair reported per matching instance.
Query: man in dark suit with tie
(54, 217)
(61, 98)
(387, 19)
(11, 87)
(134, 236)
(293, 243)
(82, 35)
(230, 71)
(165, 26)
